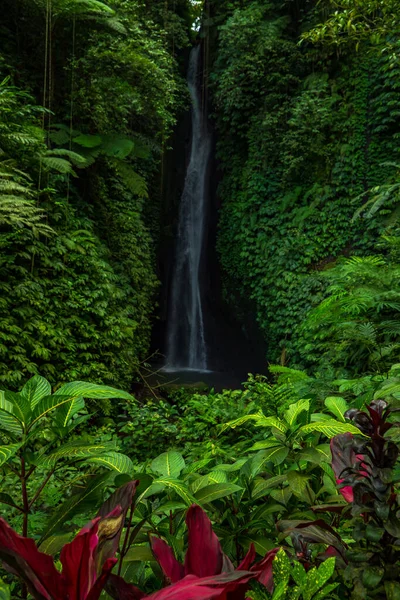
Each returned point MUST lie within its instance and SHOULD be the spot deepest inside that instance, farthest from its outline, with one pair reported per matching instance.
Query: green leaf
(392, 589)
(8, 420)
(178, 487)
(295, 410)
(338, 406)
(76, 451)
(217, 477)
(5, 593)
(64, 413)
(260, 420)
(115, 461)
(310, 455)
(7, 499)
(35, 389)
(53, 544)
(262, 445)
(264, 486)
(283, 496)
(261, 543)
(21, 406)
(299, 574)
(372, 576)
(236, 466)
(6, 452)
(215, 492)
(275, 455)
(117, 146)
(46, 405)
(168, 464)
(328, 428)
(139, 554)
(280, 590)
(325, 591)
(281, 568)
(88, 141)
(297, 483)
(84, 389)
(316, 579)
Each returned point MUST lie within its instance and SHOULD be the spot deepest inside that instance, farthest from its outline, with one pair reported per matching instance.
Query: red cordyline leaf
(205, 558)
(344, 459)
(78, 580)
(217, 587)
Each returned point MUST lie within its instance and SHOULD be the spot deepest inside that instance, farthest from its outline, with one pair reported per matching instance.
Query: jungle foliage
(89, 95)
(307, 113)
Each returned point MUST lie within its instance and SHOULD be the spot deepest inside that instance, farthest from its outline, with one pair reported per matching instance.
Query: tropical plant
(36, 425)
(357, 325)
(365, 466)
(293, 444)
(204, 556)
(355, 20)
(293, 582)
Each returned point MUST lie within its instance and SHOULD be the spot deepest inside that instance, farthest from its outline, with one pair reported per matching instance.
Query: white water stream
(186, 344)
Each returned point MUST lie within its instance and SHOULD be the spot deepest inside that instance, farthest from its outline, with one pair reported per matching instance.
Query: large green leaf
(275, 455)
(337, 406)
(115, 461)
(295, 410)
(217, 477)
(272, 422)
(88, 500)
(47, 405)
(199, 483)
(35, 389)
(168, 464)
(178, 487)
(316, 579)
(76, 451)
(84, 389)
(6, 452)
(21, 406)
(260, 420)
(387, 390)
(297, 483)
(216, 491)
(65, 412)
(8, 419)
(328, 428)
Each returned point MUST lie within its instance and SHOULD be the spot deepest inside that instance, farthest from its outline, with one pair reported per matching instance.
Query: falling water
(186, 346)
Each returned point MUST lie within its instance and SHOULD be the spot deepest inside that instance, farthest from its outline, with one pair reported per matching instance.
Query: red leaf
(35, 568)
(264, 570)
(171, 568)
(205, 588)
(113, 513)
(248, 559)
(98, 587)
(204, 556)
(78, 561)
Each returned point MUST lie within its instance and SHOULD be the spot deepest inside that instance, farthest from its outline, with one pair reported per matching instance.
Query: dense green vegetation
(284, 489)
(88, 99)
(306, 132)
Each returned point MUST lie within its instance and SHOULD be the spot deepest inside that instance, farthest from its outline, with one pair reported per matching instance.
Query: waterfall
(186, 344)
